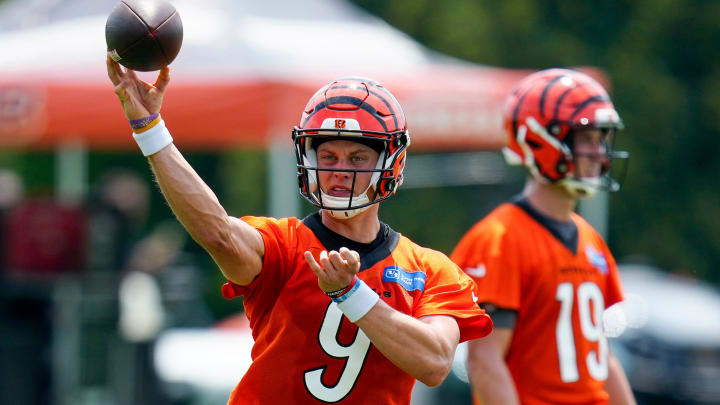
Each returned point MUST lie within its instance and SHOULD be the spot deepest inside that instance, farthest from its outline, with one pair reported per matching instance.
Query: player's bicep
(240, 252)
(446, 328)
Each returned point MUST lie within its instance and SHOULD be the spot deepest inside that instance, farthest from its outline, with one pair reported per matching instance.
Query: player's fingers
(163, 79)
(351, 257)
(121, 92)
(324, 260)
(131, 73)
(113, 72)
(132, 76)
(337, 260)
(314, 265)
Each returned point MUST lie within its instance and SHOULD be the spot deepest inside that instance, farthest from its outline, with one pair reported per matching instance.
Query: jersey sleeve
(277, 237)
(492, 260)
(448, 291)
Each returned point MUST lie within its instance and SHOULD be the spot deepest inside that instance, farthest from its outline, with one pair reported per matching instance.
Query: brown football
(144, 35)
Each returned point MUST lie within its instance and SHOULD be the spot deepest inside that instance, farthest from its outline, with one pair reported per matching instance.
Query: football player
(343, 309)
(542, 272)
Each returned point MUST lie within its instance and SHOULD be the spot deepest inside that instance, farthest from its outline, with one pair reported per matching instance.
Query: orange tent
(242, 77)
(448, 108)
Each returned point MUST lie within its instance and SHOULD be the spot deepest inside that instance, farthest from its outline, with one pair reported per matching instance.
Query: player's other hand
(138, 98)
(336, 269)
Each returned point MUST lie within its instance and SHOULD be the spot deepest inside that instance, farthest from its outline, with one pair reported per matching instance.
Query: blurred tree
(665, 76)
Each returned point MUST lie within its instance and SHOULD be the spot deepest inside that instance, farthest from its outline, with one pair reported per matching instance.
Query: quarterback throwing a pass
(343, 309)
(543, 273)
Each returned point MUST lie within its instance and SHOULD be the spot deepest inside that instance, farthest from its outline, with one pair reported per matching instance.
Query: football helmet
(542, 114)
(359, 110)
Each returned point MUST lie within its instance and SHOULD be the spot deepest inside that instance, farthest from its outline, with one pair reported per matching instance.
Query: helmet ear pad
(392, 179)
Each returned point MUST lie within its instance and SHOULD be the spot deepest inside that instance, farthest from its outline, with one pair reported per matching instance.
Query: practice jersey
(558, 353)
(306, 351)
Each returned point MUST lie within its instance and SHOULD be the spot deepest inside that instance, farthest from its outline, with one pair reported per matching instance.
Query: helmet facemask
(358, 110)
(382, 185)
(583, 181)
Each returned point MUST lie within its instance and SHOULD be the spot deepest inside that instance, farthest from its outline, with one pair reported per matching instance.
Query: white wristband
(359, 303)
(154, 139)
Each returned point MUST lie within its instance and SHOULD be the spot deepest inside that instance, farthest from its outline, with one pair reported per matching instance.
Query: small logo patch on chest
(597, 259)
(409, 280)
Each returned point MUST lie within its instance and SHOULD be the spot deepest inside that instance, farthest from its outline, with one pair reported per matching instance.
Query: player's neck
(362, 228)
(550, 200)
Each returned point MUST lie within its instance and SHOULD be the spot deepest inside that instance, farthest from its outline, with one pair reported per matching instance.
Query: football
(144, 35)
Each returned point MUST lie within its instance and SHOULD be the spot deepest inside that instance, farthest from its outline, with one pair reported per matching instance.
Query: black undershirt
(565, 232)
(370, 253)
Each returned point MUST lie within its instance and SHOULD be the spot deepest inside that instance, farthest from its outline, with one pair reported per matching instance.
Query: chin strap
(341, 202)
(585, 187)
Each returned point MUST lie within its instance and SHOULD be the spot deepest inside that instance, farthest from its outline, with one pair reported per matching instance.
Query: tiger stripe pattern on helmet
(378, 117)
(543, 111)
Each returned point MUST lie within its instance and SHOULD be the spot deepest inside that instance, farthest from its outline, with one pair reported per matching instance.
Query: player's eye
(327, 157)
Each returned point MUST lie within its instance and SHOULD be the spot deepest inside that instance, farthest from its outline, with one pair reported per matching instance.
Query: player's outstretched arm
(490, 377)
(235, 246)
(617, 385)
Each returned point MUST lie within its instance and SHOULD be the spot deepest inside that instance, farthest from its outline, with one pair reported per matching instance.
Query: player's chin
(592, 176)
(592, 172)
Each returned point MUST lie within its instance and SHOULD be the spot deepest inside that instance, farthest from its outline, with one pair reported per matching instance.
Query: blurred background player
(542, 272)
(299, 277)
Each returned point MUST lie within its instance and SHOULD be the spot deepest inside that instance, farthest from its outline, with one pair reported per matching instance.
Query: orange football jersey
(306, 351)
(558, 353)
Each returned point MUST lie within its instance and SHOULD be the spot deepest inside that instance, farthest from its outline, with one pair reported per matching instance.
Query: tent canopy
(242, 78)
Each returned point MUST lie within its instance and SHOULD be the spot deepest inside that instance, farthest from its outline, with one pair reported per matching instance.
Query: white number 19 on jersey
(590, 308)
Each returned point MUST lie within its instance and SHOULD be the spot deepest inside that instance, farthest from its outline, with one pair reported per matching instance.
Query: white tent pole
(284, 200)
(71, 179)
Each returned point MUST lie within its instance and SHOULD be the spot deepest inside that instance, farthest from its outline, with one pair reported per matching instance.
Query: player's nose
(343, 164)
(342, 174)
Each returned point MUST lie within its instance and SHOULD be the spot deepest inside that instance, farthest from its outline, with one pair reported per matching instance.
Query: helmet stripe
(341, 100)
(516, 112)
(385, 101)
(388, 104)
(545, 91)
(346, 100)
(376, 86)
(560, 99)
(593, 99)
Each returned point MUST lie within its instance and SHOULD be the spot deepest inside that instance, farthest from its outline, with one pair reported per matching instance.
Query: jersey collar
(565, 232)
(370, 253)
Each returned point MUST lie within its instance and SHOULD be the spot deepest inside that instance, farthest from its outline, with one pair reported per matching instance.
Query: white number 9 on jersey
(355, 354)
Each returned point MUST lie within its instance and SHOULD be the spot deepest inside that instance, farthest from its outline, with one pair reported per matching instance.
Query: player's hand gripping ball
(144, 35)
